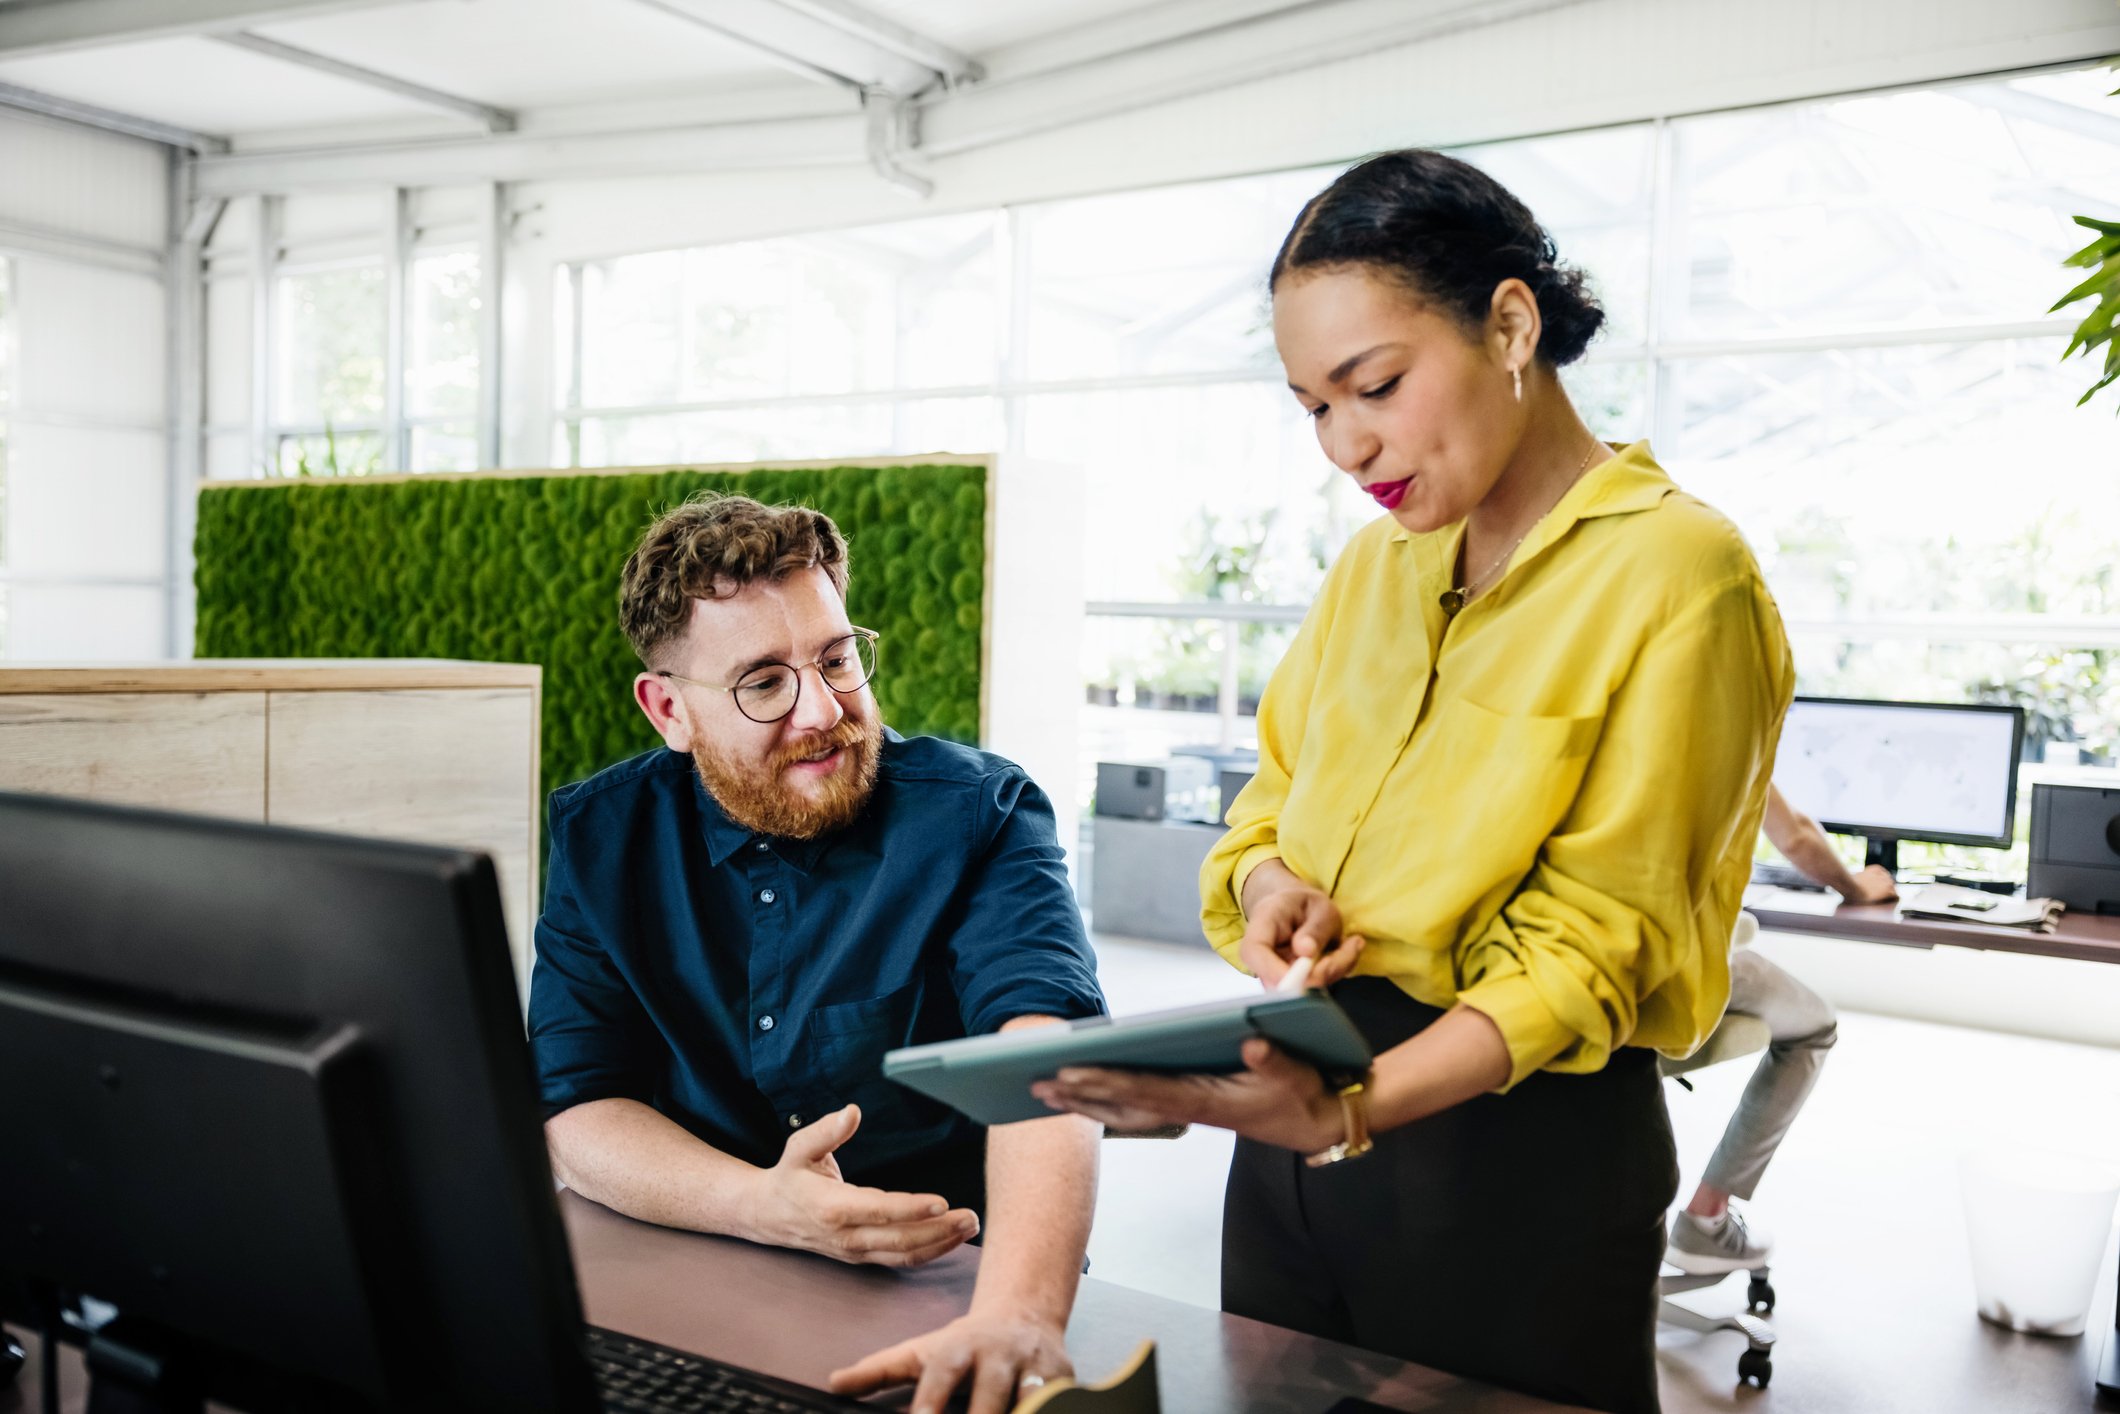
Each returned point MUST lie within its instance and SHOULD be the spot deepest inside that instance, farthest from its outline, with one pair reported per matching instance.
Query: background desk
(2090, 937)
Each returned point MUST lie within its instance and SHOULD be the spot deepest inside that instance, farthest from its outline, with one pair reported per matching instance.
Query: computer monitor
(1944, 772)
(267, 1093)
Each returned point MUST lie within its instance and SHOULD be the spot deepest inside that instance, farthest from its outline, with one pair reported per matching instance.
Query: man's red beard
(758, 797)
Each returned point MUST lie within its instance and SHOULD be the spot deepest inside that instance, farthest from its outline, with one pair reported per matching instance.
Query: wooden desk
(801, 1317)
(2089, 937)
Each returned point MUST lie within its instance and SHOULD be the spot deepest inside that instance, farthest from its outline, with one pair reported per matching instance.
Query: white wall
(86, 557)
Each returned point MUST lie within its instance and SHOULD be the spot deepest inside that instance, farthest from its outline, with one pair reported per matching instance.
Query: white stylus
(1298, 973)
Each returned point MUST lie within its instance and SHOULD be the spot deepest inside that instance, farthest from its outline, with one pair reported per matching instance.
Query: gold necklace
(1458, 597)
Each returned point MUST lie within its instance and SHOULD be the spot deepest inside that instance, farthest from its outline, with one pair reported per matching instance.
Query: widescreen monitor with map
(1935, 771)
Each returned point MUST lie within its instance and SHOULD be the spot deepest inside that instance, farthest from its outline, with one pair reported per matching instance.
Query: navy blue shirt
(745, 986)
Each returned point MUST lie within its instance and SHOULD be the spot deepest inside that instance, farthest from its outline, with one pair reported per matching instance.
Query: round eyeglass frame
(860, 635)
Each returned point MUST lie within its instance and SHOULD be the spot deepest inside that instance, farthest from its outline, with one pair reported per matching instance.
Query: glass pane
(1168, 280)
(441, 367)
(1941, 206)
(1952, 479)
(905, 305)
(330, 348)
(450, 446)
(1592, 192)
(334, 454)
(1210, 492)
(882, 428)
(7, 394)
(1612, 397)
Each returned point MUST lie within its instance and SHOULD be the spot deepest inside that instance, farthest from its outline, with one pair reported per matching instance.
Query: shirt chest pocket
(1507, 779)
(851, 1040)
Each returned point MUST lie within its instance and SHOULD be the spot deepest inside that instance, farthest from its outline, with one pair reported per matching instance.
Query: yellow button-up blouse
(1544, 808)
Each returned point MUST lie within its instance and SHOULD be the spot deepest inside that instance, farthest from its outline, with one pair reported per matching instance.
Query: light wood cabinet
(430, 750)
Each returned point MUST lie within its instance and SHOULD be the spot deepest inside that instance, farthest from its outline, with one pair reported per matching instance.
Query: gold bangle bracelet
(1354, 1111)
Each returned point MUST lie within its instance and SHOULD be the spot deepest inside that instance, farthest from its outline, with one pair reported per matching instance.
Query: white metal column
(492, 244)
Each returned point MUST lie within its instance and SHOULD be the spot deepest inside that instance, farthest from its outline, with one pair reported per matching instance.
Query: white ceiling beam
(48, 26)
(841, 44)
(494, 120)
(528, 157)
(51, 105)
(1261, 46)
(849, 18)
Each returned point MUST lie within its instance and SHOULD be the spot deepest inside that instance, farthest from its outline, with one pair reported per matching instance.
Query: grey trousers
(1804, 1027)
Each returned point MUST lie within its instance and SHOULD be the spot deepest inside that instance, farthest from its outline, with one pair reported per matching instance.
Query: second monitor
(1889, 771)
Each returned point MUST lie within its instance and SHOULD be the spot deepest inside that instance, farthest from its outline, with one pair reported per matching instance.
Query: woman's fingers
(1337, 963)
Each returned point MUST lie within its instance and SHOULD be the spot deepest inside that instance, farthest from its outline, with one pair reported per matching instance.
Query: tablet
(989, 1077)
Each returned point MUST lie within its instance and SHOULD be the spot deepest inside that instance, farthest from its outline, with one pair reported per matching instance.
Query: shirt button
(767, 896)
(794, 1121)
(765, 1023)
(761, 847)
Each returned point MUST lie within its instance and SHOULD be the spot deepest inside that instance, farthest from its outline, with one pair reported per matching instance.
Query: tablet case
(989, 1077)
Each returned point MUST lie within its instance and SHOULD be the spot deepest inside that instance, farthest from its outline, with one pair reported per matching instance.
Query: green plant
(2102, 258)
(525, 569)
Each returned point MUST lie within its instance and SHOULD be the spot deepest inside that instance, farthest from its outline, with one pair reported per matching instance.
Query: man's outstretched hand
(802, 1202)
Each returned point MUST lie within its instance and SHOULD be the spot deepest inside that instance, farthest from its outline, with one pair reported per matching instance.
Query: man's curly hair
(710, 548)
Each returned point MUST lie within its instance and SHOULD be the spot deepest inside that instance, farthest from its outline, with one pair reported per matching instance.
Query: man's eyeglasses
(769, 692)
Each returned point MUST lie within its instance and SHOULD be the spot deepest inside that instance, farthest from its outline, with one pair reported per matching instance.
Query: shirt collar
(1628, 481)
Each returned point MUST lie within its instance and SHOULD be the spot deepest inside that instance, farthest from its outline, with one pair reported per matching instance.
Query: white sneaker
(1703, 1246)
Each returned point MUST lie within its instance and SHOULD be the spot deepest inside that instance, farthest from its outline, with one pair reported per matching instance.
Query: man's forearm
(1041, 1193)
(635, 1160)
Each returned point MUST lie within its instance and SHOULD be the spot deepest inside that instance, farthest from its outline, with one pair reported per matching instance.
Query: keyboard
(1784, 876)
(641, 1377)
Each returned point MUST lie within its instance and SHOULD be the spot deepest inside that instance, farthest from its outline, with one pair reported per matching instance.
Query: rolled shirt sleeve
(587, 1027)
(1018, 947)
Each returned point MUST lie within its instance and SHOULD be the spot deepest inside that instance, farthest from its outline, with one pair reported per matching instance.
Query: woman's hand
(1275, 1099)
(1286, 919)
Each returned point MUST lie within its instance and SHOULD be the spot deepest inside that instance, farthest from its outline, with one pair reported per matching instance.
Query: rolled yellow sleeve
(1620, 932)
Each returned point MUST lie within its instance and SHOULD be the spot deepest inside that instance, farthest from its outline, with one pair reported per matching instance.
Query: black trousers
(1514, 1238)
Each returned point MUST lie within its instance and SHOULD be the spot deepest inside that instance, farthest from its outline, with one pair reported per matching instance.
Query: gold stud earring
(1516, 377)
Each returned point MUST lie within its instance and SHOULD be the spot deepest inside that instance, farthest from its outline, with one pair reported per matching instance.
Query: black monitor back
(267, 1092)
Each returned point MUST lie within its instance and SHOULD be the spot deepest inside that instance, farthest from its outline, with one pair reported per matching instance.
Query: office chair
(1736, 1035)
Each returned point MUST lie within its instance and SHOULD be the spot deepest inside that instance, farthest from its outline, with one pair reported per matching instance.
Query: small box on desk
(1180, 788)
(2076, 846)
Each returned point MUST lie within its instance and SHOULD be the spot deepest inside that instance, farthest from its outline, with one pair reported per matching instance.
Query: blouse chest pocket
(1518, 776)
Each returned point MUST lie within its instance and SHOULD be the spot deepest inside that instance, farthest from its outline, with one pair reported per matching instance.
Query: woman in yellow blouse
(1510, 772)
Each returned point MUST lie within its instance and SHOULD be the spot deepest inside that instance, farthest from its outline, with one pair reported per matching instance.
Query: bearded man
(738, 927)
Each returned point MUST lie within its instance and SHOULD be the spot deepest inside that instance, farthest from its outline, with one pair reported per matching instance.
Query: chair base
(1756, 1364)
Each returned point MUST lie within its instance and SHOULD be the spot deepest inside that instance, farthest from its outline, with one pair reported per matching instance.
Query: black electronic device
(1942, 772)
(2076, 846)
(268, 1097)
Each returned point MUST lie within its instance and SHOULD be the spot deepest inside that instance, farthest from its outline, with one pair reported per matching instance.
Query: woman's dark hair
(1448, 232)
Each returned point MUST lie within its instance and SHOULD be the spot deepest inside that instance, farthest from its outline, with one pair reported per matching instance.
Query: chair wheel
(12, 1357)
(1759, 1296)
(1756, 1366)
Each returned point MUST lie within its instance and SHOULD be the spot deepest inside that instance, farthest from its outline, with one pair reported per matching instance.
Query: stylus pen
(1293, 979)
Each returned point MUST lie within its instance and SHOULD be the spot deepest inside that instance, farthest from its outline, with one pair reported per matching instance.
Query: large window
(355, 387)
(7, 388)
(1831, 317)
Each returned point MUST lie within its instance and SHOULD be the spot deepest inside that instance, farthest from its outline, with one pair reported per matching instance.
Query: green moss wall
(525, 570)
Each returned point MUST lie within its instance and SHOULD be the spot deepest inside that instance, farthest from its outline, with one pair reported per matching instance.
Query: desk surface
(801, 1317)
(2088, 936)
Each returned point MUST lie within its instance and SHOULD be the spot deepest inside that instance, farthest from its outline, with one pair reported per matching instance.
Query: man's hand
(998, 1350)
(802, 1202)
(1293, 921)
(1874, 884)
